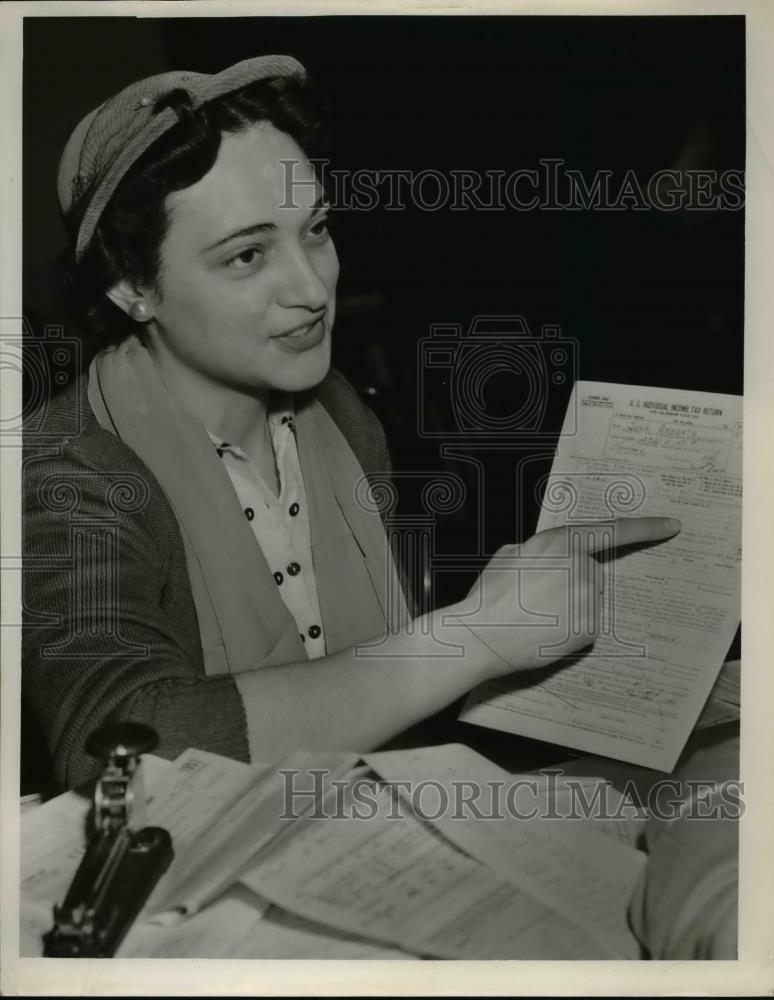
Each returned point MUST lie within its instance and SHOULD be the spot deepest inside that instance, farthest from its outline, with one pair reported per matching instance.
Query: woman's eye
(245, 259)
(319, 229)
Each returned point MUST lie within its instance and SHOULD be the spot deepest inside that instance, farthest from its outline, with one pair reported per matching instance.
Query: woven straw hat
(106, 143)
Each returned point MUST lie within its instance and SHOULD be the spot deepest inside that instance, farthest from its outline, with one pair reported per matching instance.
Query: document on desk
(671, 609)
(514, 825)
(221, 813)
(376, 870)
(240, 925)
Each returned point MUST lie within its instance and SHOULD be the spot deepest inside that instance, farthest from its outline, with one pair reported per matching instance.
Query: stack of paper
(359, 875)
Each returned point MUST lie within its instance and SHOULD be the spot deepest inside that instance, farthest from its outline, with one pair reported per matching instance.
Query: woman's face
(248, 270)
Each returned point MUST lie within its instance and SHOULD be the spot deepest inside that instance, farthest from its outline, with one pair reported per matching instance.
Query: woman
(233, 586)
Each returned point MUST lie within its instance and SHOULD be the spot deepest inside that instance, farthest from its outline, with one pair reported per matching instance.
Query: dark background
(652, 298)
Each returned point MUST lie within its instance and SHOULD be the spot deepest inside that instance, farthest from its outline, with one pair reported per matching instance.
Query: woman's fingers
(634, 531)
(543, 599)
(606, 535)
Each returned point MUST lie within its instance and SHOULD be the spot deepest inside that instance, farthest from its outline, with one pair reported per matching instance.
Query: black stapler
(124, 859)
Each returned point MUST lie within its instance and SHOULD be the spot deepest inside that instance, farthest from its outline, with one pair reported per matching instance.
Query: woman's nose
(301, 283)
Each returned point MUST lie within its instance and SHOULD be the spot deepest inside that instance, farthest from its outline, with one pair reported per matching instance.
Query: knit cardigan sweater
(102, 644)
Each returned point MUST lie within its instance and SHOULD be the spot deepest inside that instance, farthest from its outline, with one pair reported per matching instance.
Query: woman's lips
(302, 339)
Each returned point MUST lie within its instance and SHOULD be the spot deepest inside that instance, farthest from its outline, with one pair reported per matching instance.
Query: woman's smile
(302, 338)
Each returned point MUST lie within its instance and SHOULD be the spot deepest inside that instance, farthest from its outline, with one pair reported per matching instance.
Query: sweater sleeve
(110, 630)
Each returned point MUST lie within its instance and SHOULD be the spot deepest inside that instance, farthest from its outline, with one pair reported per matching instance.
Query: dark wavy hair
(128, 238)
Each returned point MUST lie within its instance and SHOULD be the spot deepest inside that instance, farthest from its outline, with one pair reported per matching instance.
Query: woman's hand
(542, 600)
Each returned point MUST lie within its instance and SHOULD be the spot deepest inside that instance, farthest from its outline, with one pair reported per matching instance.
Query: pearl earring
(139, 311)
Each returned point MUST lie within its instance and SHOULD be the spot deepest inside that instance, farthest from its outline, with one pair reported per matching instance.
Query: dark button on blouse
(294, 509)
(249, 513)
(294, 569)
(278, 577)
(314, 632)
(303, 637)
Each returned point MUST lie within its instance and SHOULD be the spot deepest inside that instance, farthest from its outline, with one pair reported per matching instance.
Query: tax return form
(671, 609)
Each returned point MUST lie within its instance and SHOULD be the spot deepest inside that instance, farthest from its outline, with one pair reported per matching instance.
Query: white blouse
(281, 523)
